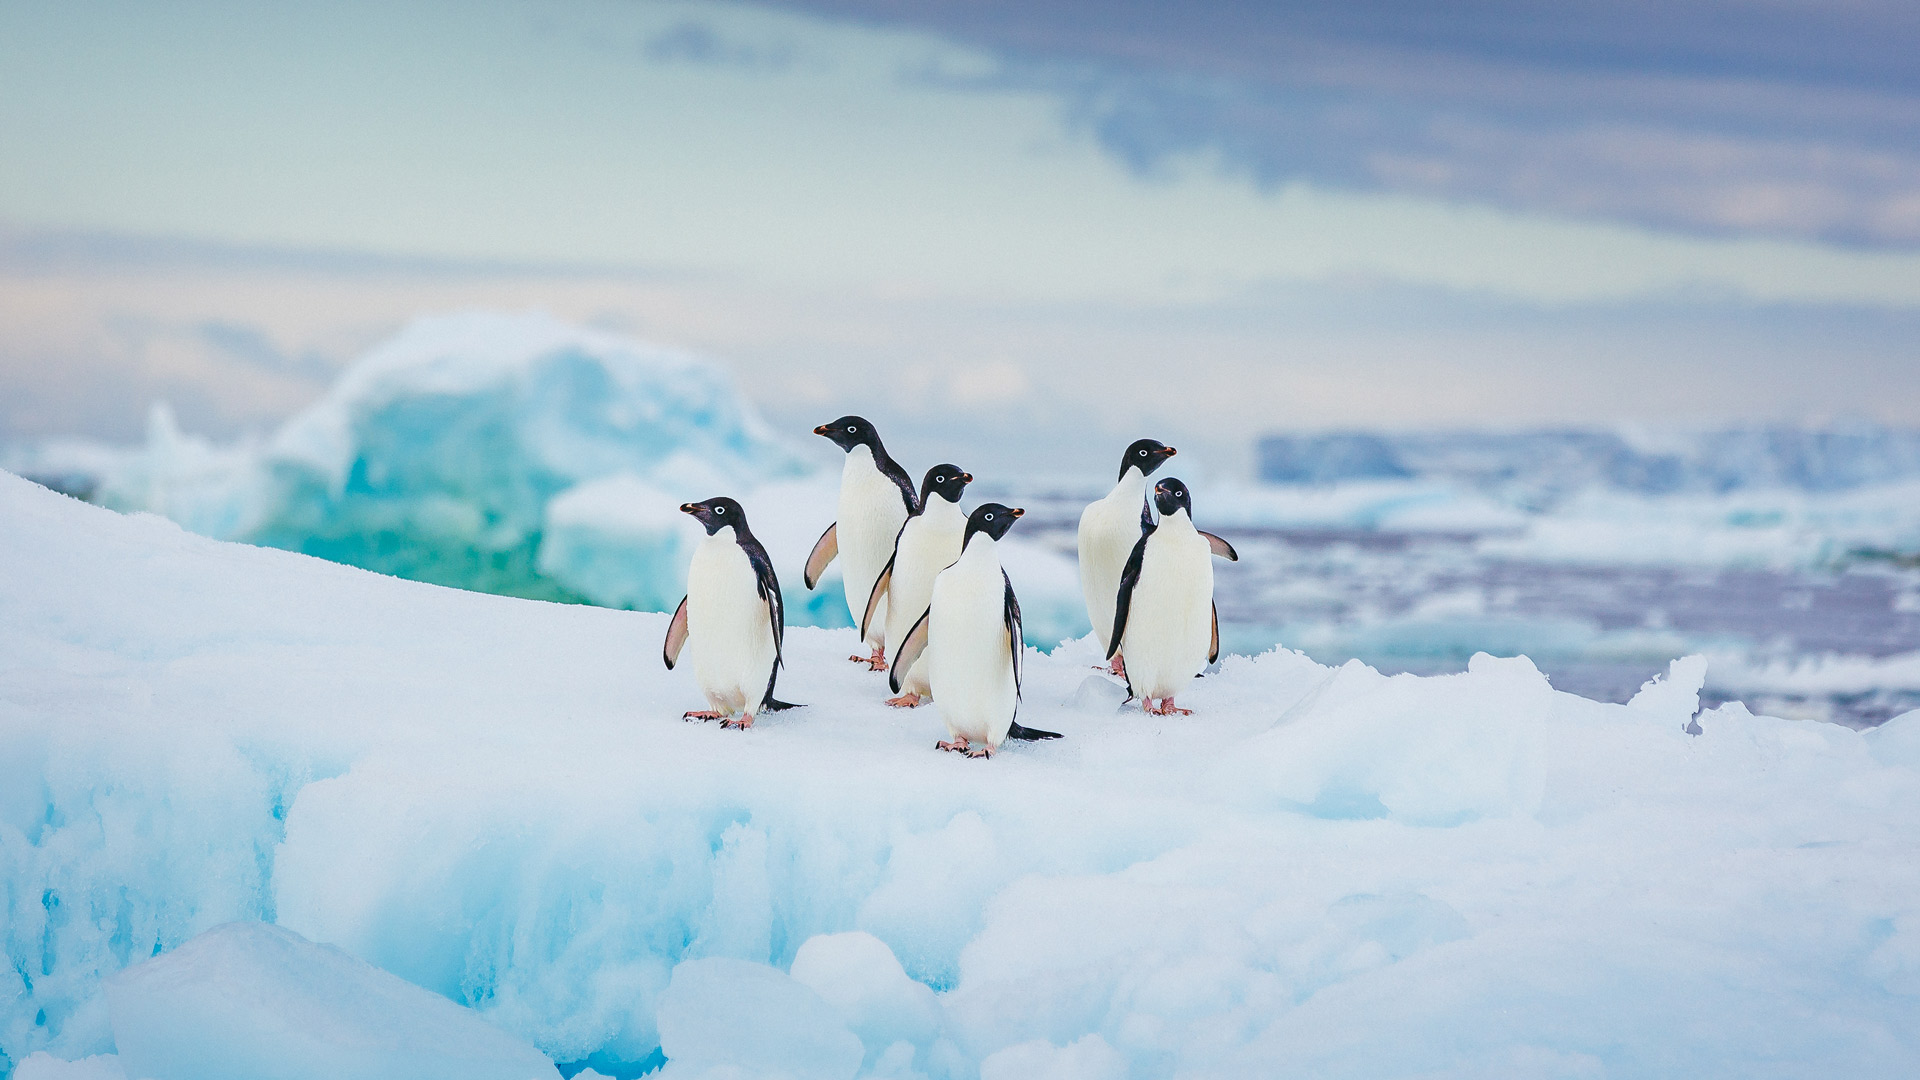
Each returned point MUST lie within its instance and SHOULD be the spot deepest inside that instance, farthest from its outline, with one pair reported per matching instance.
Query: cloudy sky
(1030, 220)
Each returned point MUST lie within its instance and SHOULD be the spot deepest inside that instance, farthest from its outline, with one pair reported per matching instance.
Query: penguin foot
(959, 744)
(905, 701)
(741, 722)
(702, 714)
(876, 662)
(1165, 708)
(980, 751)
(1117, 666)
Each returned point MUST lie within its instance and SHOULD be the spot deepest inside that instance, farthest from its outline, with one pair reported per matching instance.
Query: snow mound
(256, 1002)
(1323, 871)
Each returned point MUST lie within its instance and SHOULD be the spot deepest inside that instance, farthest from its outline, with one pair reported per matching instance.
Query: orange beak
(688, 508)
(1016, 511)
(966, 477)
(821, 430)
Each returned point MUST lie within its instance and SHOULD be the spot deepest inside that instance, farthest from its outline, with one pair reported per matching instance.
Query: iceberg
(1325, 871)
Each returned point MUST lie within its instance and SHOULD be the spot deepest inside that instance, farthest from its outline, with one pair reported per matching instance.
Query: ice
(719, 1014)
(1325, 871)
(252, 1001)
(41, 1065)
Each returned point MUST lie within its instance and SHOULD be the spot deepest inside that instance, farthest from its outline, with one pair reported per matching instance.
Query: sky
(1042, 225)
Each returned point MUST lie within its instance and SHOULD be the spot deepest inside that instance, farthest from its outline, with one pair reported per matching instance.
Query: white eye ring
(852, 428)
(989, 517)
(1143, 453)
(719, 509)
(939, 479)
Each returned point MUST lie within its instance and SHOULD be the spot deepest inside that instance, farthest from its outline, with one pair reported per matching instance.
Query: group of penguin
(925, 582)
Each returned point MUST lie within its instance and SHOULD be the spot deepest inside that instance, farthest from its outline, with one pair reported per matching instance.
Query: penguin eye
(1143, 453)
(852, 428)
(719, 509)
(939, 479)
(989, 517)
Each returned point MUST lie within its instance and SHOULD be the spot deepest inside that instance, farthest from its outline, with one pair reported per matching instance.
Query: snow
(252, 1001)
(1324, 871)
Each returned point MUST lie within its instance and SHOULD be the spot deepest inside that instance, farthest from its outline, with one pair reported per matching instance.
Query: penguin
(970, 635)
(733, 614)
(928, 543)
(1108, 529)
(1163, 612)
(876, 497)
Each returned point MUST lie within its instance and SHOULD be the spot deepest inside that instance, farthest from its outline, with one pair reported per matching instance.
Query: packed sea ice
(1323, 871)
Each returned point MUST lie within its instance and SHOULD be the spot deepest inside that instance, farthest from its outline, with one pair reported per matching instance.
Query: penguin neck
(725, 534)
(981, 551)
(1178, 521)
(1131, 487)
(939, 511)
(861, 459)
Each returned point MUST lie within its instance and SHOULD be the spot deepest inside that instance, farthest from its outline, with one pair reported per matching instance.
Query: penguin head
(1170, 495)
(717, 514)
(946, 481)
(849, 432)
(1145, 455)
(992, 519)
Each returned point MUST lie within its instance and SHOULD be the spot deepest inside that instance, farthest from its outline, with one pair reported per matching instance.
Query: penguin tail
(1030, 734)
(774, 704)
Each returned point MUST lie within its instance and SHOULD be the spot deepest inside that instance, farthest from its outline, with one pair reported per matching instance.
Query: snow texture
(249, 1001)
(1323, 872)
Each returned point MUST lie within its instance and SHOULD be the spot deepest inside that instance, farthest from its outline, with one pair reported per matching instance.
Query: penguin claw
(702, 715)
(741, 722)
(905, 701)
(957, 745)
(980, 752)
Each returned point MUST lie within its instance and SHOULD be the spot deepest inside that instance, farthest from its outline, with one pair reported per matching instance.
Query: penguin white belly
(969, 658)
(1170, 617)
(1109, 528)
(870, 515)
(728, 626)
(929, 544)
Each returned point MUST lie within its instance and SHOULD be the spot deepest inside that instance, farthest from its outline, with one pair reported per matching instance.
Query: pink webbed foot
(876, 662)
(1166, 708)
(980, 752)
(959, 744)
(906, 701)
(702, 714)
(740, 722)
(1115, 666)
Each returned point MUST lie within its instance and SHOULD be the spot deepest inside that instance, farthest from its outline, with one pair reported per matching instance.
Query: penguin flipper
(1016, 643)
(1129, 577)
(1213, 649)
(1221, 547)
(909, 650)
(1031, 734)
(879, 590)
(676, 635)
(824, 549)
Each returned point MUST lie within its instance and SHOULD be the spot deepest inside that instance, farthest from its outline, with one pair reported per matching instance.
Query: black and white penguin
(1164, 615)
(1108, 529)
(970, 635)
(876, 496)
(733, 614)
(928, 543)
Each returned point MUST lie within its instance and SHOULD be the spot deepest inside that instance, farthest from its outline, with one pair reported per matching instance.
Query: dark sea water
(1425, 602)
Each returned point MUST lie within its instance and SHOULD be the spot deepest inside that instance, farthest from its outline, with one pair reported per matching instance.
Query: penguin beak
(689, 508)
(1169, 452)
(1016, 511)
(966, 478)
(821, 430)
